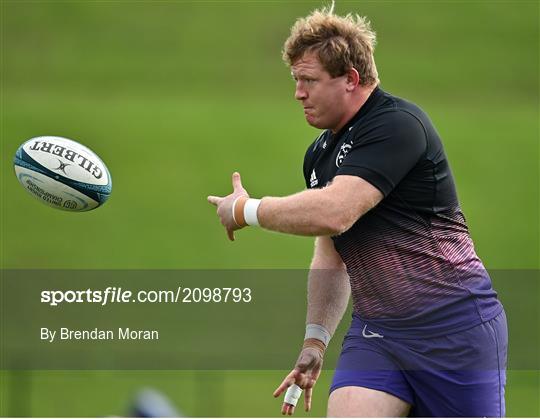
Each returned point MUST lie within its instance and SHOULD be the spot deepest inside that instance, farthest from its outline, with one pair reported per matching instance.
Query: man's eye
(304, 80)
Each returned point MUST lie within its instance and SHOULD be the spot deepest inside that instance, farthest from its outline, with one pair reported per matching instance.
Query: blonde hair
(341, 42)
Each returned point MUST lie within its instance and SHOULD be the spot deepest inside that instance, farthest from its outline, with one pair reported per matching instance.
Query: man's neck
(358, 99)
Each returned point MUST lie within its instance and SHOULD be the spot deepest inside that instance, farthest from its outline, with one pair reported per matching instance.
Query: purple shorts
(461, 374)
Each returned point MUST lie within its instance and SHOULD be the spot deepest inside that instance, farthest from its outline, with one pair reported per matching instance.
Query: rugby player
(428, 335)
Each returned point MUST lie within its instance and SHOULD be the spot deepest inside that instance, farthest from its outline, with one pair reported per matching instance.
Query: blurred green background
(175, 96)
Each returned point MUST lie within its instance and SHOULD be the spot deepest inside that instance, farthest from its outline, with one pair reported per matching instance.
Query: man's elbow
(336, 225)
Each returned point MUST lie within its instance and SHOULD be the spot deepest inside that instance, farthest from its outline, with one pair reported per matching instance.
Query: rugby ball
(62, 173)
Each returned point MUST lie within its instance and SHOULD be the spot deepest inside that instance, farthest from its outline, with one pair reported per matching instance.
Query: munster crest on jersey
(343, 151)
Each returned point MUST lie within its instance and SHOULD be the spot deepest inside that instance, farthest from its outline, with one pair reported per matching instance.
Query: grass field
(176, 95)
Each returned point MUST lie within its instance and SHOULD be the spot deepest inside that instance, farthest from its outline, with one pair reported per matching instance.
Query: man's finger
(214, 200)
(286, 383)
(307, 399)
(283, 386)
(236, 181)
(287, 409)
(291, 410)
(230, 234)
(316, 373)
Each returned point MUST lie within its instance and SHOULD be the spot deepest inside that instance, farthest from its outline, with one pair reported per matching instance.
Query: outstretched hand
(304, 374)
(224, 205)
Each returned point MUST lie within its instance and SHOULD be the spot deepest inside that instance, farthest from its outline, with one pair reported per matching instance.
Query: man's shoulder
(394, 107)
(392, 115)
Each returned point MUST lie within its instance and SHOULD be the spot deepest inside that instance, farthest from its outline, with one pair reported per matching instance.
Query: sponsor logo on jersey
(313, 181)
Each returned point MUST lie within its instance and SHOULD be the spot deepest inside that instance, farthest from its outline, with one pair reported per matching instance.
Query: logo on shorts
(369, 334)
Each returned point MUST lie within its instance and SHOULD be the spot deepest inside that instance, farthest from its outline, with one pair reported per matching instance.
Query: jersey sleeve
(307, 164)
(387, 151)
(310, 156)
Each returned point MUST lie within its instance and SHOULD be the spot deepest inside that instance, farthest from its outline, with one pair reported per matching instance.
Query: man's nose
(299, 93)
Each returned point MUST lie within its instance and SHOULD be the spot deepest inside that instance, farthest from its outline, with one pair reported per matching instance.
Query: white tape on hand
(292, 395)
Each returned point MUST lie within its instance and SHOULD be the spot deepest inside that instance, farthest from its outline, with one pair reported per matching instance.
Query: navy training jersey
(411, 261)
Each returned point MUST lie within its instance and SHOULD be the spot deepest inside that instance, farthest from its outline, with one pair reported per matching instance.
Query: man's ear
(353, 79)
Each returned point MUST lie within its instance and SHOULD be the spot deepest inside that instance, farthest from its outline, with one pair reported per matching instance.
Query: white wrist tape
(292, 395)
(316, 331)
(250, 212)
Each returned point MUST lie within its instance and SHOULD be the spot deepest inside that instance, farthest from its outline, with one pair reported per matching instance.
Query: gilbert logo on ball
(62, 173)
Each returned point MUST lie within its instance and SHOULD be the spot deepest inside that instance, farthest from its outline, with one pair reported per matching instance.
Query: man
(428, 335)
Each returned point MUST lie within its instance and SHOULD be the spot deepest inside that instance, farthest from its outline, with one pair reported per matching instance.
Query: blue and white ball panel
(52, 192)
(62, 173)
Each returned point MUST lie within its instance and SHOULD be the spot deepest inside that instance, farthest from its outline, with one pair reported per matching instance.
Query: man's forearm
(307, 213)
(328, 296)
(328, 286)
(329, 211)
